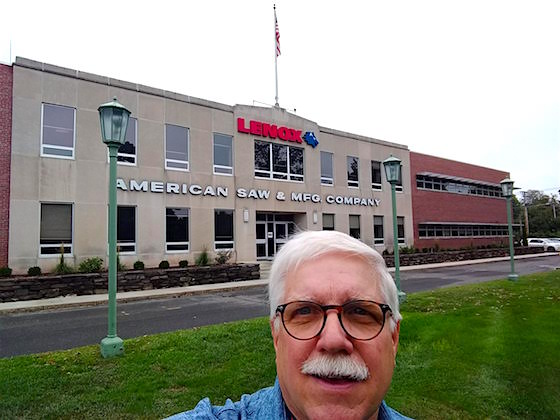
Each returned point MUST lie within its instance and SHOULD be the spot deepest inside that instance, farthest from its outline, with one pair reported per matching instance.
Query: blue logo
(310, 139)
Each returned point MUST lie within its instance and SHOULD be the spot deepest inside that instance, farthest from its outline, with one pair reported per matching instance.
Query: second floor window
(176, 147)
(278, 161)
(223, 154)
(127, 152)
(352, 165)
(57, 133)
(376, 175)
(327, 168)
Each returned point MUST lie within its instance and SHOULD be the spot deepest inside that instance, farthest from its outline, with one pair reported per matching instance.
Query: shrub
(120, 267)
(5, 271)
(164, 264)
(183, 263)
(34, 271)
(91, 265)
(223, 256)
(203, 259)
(138, 265)
(62, 267)
(407, 250)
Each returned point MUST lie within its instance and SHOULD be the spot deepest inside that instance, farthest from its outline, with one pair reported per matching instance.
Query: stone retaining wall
(451, 256)
(49, 286)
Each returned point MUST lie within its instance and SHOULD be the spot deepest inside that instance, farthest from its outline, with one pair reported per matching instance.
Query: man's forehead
(307, 281)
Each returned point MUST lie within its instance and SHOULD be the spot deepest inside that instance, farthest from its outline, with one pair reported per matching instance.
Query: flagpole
(276, 51)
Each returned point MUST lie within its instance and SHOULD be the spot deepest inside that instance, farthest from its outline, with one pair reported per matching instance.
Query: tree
(541, 210)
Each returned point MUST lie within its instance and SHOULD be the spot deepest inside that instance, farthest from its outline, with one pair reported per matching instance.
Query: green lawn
(490, 350)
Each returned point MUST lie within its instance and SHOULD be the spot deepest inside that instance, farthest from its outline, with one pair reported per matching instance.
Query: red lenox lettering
(241, 125)
(270, 131)
(258, 128)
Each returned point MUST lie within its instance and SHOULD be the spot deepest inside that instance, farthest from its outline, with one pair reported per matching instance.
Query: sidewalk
(101, 299)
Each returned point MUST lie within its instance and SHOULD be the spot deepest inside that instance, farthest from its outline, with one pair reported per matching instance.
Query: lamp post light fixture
(393, 172)
(507, 192)
(114, 122)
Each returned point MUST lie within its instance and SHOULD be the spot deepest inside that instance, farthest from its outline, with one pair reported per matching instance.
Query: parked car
(548, 244)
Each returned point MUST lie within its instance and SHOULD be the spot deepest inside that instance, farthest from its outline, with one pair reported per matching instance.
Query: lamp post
(393, 173)
(507, 192)
(114, 121)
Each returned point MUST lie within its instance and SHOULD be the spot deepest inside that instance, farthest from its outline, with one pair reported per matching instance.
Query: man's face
(334, 279)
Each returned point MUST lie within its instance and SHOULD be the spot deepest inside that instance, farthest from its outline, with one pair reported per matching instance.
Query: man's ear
(275, 333)
(395, 338)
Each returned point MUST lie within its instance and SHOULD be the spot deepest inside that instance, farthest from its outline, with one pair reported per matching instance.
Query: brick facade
(6, 80)
(430, 206)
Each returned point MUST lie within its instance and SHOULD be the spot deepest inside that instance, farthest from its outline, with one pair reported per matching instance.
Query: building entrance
(273, 230)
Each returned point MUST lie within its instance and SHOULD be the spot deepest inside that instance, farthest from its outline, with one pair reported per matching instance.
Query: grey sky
(475, 81)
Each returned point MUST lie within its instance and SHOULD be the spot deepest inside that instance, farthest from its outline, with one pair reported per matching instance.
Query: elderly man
(334, 315)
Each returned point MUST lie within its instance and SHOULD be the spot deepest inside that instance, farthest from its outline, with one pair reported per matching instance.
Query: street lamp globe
(392, 169)
(114, 122)
(507, 187)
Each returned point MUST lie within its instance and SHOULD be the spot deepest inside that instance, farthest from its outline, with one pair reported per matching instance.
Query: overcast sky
(474, 81)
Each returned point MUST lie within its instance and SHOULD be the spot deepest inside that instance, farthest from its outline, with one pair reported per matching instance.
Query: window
(398, 185)
(355, 226)
(223, 154)
(176, 148)
(457, 187)
(127, 152)
(352, 164)
(376, 175)
(57, 135)
(223, 229)
(327, 168)
(126, 229)
(56, 229)
(328, 221)
(435, 230)
(378, 238)
(176, 229)
(278, 161)
(400, 230)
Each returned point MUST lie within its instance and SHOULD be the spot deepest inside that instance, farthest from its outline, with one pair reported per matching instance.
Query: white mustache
(335, 367)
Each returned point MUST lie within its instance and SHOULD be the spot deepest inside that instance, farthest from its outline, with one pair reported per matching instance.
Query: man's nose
(333, 338)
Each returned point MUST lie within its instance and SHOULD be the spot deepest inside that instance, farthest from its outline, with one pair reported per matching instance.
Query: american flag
(277, 34)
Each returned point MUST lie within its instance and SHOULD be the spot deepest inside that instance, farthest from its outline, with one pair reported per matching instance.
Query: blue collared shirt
(266, 404)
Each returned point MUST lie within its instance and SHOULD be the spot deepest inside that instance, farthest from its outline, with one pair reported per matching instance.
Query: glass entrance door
(273, 231)
(281, 234)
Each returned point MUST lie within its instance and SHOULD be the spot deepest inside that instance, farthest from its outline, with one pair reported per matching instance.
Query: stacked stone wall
(42, 287)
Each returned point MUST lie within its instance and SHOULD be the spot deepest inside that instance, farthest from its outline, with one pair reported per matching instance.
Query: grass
(489, 350)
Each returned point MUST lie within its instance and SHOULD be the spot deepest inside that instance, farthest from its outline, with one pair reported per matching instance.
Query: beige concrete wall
(82, 181)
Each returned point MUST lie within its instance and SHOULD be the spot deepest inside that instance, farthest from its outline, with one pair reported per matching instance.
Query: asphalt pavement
(62, 323)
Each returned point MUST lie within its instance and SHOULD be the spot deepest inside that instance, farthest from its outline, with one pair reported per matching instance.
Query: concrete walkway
(90, 300)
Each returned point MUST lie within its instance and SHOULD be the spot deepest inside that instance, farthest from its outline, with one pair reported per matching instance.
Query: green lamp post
(114, 121)
(507, 192)
(393, 172)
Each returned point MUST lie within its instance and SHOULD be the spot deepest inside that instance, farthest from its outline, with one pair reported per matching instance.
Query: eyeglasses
(360, 319)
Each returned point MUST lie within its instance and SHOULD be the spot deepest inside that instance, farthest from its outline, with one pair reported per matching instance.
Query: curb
(124, 297)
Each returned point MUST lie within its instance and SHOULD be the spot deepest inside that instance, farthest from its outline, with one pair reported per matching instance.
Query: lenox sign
(262, 129)
(258, 128)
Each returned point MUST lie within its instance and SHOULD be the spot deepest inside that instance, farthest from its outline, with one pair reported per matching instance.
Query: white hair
(308, 245)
